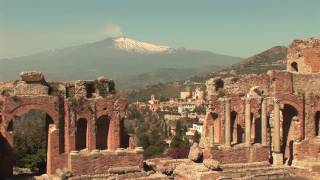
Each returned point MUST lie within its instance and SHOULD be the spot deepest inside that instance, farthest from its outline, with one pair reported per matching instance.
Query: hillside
(271, 59)
(163, 75)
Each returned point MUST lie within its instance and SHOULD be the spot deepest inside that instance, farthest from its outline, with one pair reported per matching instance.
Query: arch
(294, 67)
(102, 130)
(21, 109)
(124, 136)
(317, 123)
(81, 134)
(14, 134)
(289, 113)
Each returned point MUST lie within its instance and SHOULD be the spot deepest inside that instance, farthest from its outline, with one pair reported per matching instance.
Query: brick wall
(307, 150)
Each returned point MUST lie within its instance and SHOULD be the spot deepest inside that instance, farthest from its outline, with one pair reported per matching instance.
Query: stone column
(211, 136)
(248, 122)
(277, 155)
(264, 122)
(227, 122)
(114, 132)
(276, 120)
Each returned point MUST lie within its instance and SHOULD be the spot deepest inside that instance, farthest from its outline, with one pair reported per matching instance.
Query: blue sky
(233, 27)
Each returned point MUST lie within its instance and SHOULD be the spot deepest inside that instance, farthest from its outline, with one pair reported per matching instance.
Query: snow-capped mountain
(118, 58)
(132, 45)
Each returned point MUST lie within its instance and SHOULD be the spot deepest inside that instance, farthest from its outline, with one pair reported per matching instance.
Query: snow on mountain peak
(132, 45)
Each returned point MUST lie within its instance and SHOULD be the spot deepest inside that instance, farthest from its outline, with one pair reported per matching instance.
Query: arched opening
(257, 130)
(216, 128)
(294, 67)
(317, 123)
(288, 113)
(102, 127)
(124, 136)
(252, 127)
(219, 84)
(234, 134)
(30, 142)
(10, 126)
(81, 134)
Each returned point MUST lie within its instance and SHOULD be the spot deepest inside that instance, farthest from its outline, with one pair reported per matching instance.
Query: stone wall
(238, 154)
(99, 162)
(306, 83)
(307, 150)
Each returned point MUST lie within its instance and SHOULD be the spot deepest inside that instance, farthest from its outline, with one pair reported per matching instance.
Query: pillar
(114, 132)
(211, 136)
(248, 122)
(227, 122)
(264, 122)
(276, 117)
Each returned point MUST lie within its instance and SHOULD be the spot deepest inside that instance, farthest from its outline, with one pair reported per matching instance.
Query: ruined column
(227, 122)
(264, 122)
(276, 117)
(248, 122)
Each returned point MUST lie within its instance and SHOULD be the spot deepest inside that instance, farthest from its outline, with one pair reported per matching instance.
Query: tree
(30, 141)
(149, 130)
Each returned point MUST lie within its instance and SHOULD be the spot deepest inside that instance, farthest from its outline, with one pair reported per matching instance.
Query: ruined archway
(289, 114)
(28, 143)
(81, 134)
(317, 123)
(102, 127)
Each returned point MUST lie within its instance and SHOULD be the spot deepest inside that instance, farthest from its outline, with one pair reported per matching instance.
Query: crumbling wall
(67, 104)
(304, 56)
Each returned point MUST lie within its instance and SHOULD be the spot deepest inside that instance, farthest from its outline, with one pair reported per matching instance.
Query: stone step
(244, 165)
(255, 173)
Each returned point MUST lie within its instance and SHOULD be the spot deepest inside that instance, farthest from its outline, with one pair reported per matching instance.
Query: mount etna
(129, 62)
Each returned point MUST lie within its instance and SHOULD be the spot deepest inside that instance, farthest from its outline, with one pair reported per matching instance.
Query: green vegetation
(201, 109)
(180, 139)
(30, 141)
(149, 130)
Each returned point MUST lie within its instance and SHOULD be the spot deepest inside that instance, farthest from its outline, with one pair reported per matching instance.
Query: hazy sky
(233, 27)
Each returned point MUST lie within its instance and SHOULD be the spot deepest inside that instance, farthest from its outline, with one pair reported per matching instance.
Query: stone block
(32, 76)
(277, 159)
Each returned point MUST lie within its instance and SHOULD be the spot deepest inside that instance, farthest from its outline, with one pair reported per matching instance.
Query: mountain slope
(271, 59)
(163, 75)
(117, 58)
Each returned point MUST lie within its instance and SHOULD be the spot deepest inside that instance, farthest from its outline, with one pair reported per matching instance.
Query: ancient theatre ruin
(85, 134)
